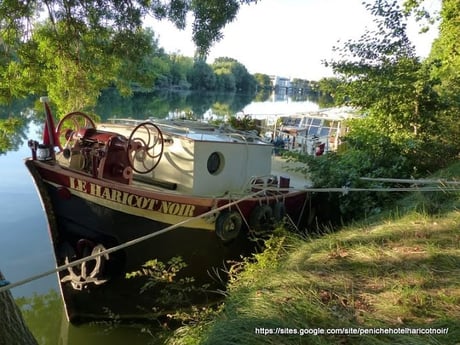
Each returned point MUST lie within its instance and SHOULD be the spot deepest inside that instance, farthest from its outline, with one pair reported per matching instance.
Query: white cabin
(204, 160)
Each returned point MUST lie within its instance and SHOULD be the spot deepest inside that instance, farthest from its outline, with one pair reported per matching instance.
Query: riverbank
(391, 280)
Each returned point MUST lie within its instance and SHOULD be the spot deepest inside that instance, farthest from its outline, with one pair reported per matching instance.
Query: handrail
(200, 128)
(252, 181)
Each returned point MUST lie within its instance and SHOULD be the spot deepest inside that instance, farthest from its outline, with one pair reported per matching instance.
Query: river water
(25, 248)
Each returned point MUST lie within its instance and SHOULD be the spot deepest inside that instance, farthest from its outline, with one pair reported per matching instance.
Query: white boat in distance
(313, 132)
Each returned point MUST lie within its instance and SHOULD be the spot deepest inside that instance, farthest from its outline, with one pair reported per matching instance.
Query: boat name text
(133, 200)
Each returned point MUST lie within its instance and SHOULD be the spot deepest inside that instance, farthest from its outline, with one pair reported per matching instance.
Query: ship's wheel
(70, 124)
(145, 147)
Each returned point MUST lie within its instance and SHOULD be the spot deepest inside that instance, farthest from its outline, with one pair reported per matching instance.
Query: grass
(398, 271)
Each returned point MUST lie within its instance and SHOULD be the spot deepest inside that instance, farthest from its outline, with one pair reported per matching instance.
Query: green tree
(84, 46)
(264, 87)
(222, 68)
(445, 53)
(210, 16)
(328, 86)
(180, 65)
(301, 84)
(234, 75)
(444, 60)
(381, 74)
(201, 76)
(399, 136)
(326, 91)
(263, 81)
(225, 81)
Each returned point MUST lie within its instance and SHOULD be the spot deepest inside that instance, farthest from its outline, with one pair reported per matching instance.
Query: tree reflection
(11, 134)
(161, 103)
(13, 125)
(262, 95)
(16, 117)
(43, 314)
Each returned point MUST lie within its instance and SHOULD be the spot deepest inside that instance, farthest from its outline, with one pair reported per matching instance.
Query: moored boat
(314, 133)
(186, 196)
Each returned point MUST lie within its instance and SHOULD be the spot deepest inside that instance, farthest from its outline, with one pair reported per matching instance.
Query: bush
(345, 169)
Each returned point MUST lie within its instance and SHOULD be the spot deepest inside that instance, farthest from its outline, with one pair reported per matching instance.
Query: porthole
(215, 163)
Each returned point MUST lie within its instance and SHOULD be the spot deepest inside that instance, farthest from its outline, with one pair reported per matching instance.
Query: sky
(289, 38)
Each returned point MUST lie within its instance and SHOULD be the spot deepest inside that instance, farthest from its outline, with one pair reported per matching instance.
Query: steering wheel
(70, 124)
(145, 147)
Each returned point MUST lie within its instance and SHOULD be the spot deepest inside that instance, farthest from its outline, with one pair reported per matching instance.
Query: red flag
(50, 137)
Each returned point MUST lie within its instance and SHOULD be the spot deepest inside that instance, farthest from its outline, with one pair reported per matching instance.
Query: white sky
(288, 38)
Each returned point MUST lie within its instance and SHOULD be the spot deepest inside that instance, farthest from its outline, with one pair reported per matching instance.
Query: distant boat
(207, 190)
(311, 132)
(316, 132)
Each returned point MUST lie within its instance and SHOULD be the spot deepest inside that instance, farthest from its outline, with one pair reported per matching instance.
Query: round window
(215, 163)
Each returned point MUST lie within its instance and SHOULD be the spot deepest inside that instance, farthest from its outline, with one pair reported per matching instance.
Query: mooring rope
(410, 181)
(124, 245)
(344, 190)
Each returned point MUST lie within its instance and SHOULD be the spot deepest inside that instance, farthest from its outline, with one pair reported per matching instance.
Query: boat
(314, 133)
(166, 203)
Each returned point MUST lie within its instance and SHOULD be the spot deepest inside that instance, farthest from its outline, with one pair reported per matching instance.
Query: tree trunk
(13, 329)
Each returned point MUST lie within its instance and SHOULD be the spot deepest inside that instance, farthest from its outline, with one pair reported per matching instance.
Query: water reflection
(17, 116)
(13, 122)
(44, 314)
(109, 334)
(160, 104)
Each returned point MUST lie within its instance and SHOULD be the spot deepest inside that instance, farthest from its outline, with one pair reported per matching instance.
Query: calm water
(25, 249)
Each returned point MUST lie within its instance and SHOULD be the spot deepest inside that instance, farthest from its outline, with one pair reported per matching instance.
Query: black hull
(81, 222)
(201, 250)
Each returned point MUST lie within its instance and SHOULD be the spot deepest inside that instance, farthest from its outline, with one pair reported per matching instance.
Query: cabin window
(215, 163)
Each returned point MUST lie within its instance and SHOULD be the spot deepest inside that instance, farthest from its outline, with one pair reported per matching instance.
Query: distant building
(280, 83)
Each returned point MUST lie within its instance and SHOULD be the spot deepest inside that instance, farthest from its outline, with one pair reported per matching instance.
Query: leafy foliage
(170, 290)
(403, 96)
(263, 81)
(444, 53)
(245, 123)
(344, 170)
(210, 16)
(406, 132)
(232, 76)
(83, 47)
(201, 76)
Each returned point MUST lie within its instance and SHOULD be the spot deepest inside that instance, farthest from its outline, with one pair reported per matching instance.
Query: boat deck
(280, 167)
(193, 130)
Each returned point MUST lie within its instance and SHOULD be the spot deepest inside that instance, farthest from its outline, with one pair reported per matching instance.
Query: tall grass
(400, 272)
